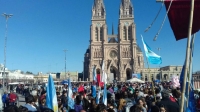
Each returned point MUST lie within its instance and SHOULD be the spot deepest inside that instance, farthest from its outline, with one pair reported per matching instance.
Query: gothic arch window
(158, 76)
(165, 76)
(129, 33)
(96, 34)
(128, 74)
(146, 79)
(124, 33)
(101, 34)
(139, 60)
(98, 71)
(152, 78)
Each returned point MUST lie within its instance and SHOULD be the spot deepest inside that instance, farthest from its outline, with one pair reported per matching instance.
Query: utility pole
(7, 16)
(159, 64)
(83, 71)
(65, 62)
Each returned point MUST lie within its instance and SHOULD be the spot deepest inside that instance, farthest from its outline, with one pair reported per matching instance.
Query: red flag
(179, 15)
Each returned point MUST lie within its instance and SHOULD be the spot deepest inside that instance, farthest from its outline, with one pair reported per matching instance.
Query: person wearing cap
(166, 102)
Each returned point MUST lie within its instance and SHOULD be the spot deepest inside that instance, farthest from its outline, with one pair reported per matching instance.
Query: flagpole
(151, 80)
(192, 49)
(187, 56)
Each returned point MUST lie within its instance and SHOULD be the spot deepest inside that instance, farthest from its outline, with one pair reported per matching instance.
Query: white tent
(135, 80)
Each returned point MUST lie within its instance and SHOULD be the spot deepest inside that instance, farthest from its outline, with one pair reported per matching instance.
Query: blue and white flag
(191, 99)
(70, 99)
(94, 74)
(152, 57)
(188, 98)
(51, 98)
(105, 89)
(94, 82)
(98, 97)
(94, 88)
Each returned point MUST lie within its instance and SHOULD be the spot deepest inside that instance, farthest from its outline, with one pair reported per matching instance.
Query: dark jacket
(85, 104)
(169, 105)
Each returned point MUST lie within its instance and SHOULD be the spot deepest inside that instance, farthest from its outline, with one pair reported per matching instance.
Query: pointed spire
(126, 9)
(112, 29)
(98, 10)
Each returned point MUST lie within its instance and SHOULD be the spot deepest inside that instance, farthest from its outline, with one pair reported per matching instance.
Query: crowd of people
(121, 97)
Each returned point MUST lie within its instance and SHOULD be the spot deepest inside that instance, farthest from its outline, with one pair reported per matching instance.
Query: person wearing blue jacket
(5, 99)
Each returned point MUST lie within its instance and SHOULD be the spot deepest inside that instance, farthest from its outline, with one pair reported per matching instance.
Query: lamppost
(83, 71)
(7, 16)
(65, 62)
(159, 64)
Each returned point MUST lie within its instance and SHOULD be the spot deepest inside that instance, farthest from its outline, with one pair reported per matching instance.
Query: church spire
(126, 9)
(112, 29)
(98, 10)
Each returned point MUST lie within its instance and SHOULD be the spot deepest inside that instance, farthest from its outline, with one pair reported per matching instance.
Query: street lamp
(159, 64)
(7, 16)
(83, 71)
(65, 62)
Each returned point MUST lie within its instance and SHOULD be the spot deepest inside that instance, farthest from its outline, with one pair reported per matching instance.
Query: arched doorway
(128, 74)
(98, 71)
(158, 76)
(165, 76)
(113, 70)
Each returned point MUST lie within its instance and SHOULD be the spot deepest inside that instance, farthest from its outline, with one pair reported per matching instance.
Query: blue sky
(40, 30)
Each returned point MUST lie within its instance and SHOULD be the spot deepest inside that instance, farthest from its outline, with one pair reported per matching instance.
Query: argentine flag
(70, 100)
(105, 89)
(51, 98)
(94, 88)
(98, 97)
(152, 57)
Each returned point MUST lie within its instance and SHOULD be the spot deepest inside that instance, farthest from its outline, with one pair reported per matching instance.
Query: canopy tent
(135, 80)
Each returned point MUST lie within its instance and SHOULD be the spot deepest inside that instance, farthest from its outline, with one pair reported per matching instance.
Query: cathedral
(119, 52)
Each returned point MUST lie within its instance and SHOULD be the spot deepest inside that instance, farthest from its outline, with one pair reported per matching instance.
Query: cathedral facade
(119, 52)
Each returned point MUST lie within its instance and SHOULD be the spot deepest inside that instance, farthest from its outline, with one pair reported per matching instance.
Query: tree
(29, 72)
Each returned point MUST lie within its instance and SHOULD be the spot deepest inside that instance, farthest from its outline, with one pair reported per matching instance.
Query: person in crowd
(64, 98)
(5, 99)
(12, 98)
(43, 95)
(35, 103)
(166, 102)
(93, 105)
(30, 103)
(78, 107)
(12, 108)
(142, 103)
(42, 103)
(177, 95)
(163, 109)
(84, 101)
(81, 88)
(23, 109)
(101, 108)
(122, 105)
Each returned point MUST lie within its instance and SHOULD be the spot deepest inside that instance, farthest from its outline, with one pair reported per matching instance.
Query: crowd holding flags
(51, 98)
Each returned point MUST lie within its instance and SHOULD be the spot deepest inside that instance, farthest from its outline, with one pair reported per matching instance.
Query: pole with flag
(189, 94)
(70, 99)
(152, 58)
(94, 82)
(51, 98)
(104, 79)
